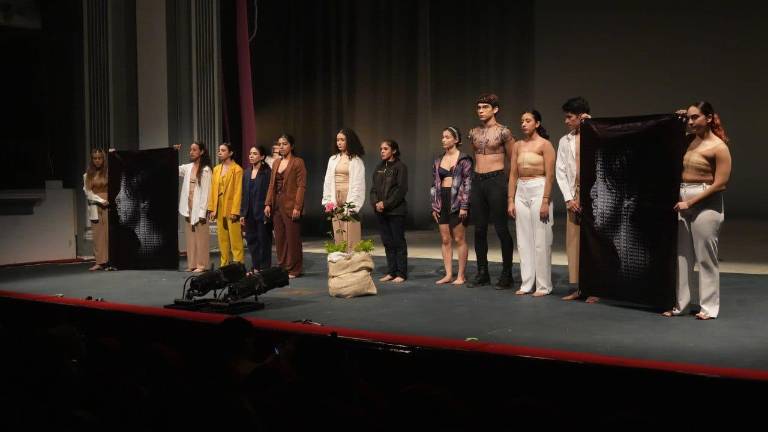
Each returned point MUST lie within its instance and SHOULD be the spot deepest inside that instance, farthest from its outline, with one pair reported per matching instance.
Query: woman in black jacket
(388, 190)
(258, 229)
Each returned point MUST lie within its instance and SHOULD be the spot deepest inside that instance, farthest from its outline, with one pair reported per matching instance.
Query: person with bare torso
(530, 185)
(492, 143)
(706, 171)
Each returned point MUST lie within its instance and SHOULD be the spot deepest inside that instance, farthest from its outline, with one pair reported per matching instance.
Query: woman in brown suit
(284, 204)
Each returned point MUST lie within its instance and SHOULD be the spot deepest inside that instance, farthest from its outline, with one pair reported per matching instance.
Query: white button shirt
(565, 167)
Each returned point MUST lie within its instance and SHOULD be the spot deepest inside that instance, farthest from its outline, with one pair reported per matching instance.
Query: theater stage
(418, 312)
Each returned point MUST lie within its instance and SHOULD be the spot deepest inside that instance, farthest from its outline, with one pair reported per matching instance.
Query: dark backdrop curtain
(388, 69)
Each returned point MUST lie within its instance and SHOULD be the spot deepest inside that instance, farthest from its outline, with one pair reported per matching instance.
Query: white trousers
(698, 229)
(534, 237)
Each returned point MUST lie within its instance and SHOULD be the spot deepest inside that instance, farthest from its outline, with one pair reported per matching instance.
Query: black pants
(392, 229)
(258, 235)
(489, 205)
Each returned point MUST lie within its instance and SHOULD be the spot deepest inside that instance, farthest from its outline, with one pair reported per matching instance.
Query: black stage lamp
(239, 288)
(256, 284)
(214, 280)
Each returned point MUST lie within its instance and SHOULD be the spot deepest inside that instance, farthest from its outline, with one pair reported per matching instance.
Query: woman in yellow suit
(224, 205)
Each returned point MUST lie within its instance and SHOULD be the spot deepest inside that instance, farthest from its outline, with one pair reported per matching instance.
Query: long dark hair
(204, 161)
(537, 117)
(291, 141)
(262, 151)
(354, 146)
(716, 126)
(394, 146)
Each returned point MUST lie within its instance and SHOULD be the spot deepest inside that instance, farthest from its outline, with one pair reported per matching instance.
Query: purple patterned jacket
(462, 184)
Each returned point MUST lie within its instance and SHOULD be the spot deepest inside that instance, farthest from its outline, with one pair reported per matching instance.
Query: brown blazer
(294, 185)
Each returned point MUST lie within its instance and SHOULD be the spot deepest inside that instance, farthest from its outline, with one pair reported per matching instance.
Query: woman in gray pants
(706, 171)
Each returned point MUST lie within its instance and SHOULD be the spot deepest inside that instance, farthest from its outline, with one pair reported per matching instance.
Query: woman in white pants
(706, 171)
(530, 184)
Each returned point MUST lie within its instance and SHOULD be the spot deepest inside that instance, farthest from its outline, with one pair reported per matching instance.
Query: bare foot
(398, 280)
(592, 299)
(386, 278)
(572, 296)
(445, 279)
(667, 313)
(521, 292)
(459, 281)
(198, 270)
(95, 267)
(703, 316)
(540, 293)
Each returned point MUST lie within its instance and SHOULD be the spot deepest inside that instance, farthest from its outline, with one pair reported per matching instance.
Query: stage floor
(418, 307)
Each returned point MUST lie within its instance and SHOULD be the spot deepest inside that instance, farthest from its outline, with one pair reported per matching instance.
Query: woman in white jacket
(95, 188)
(345, 182)
(193, 205)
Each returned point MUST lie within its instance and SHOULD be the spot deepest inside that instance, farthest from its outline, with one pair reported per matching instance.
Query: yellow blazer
(233, 190)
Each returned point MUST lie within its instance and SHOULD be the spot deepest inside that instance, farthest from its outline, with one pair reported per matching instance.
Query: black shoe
(481, 278)
(505, 280)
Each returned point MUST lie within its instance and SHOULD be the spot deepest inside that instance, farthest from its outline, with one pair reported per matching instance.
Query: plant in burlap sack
(349, 274)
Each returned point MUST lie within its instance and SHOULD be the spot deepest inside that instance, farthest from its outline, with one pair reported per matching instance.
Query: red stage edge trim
(416, 341)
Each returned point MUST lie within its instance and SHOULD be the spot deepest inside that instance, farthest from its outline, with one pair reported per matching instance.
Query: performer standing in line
(224, 205)
(492, 144)
(285, 203)
(95, 189)
(387, 196)
(345, 182)
(567, 172)
(452, 183)
(530, 186)
(258, 229)
(706, 171)
(193, 205)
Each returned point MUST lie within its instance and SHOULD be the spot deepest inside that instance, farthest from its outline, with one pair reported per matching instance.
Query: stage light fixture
(232, 289)
(256, 284)
(213, 280)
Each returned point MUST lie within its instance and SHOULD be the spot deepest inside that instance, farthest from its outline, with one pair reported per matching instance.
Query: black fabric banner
(143, 221)
(630, 182)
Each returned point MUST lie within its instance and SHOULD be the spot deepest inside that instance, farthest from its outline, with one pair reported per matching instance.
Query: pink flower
(330, 207)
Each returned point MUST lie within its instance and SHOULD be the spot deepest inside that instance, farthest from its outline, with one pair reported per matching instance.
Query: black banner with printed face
(630, 183)
(143, 221)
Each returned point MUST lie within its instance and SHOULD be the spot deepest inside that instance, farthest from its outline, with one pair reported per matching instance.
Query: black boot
(481, 278)
(505, 280)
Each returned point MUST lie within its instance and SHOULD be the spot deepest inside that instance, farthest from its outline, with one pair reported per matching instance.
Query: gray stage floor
(737, 339)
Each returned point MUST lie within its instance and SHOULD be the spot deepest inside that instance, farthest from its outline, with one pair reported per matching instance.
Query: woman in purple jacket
(452, 180)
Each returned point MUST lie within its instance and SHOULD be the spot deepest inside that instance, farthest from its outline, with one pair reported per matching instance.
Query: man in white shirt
(567, 173)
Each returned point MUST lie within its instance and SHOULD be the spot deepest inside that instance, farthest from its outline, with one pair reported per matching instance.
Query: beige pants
(698, 229)
(352, 230)
(572, 237)
(198, 245)
(100, 232)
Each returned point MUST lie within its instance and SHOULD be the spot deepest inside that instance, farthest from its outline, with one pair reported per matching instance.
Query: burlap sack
(351, 277)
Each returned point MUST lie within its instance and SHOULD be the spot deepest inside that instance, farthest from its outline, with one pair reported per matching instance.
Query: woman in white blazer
(193, 205)
(345, 182)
